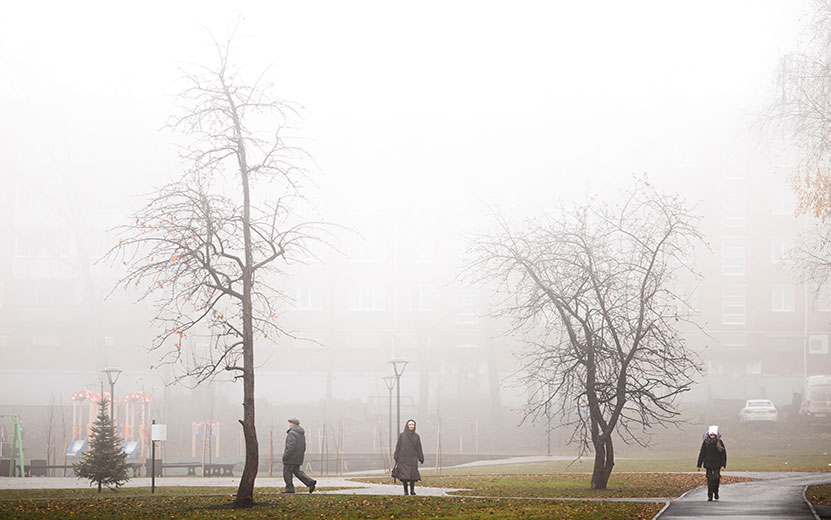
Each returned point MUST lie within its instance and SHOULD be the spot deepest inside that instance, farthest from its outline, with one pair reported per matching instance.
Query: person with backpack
(713, 455)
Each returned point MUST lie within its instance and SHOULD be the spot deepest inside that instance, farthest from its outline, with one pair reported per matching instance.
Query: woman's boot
(405, 487)
(412, 487)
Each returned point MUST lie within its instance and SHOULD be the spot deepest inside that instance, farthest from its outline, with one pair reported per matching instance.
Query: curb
(810, 505)
(659, 513)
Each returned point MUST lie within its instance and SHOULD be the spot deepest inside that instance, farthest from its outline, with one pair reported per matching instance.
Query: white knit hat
(713, 430)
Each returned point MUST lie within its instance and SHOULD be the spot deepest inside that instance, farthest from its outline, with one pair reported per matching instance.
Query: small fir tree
(104, 462)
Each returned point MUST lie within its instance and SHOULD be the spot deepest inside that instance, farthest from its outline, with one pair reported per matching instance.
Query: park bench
(191, 466)
(219, 470)
(37, 469)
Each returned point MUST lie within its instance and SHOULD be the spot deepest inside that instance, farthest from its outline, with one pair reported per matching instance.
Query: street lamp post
(398, 365)
(390, 382)
(112, 377)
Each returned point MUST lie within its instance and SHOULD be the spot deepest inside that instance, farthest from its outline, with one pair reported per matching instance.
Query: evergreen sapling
(104, 462)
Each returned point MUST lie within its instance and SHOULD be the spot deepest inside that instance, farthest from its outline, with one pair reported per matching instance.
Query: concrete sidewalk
(776, 496)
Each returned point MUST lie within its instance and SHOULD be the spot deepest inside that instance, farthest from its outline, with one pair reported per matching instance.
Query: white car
(758, 410)
(816, 399)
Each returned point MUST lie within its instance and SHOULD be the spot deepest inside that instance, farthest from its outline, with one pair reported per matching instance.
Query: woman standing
(713, 455)
(407, 452)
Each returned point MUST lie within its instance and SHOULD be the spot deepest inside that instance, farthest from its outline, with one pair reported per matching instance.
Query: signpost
(158, 432)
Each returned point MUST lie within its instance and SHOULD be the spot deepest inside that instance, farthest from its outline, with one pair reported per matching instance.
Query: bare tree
(593, 291)
(209, 246)
(49, 429)
(802, 110)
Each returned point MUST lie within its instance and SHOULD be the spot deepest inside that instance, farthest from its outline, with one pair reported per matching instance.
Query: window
(753, 366)
(732, 257)
(784, 202)
(735, 170)
(48, 293)
(42, 243)
(733, 305)
(818, 344)
(734, 340)
(420, 298)
(786, 343)
(366, 299)
(782, 298)
(305, 299)
(370, 250)
(35, 196)
(425, 251)
(733, 213)
(780, 250)
(824, 299)
(46, 341)
(466, 308)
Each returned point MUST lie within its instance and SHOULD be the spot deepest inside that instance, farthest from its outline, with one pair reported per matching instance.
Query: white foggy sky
(453, 102)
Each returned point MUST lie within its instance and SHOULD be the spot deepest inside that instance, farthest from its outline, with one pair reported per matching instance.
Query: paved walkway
(357, 488)
(777, 496)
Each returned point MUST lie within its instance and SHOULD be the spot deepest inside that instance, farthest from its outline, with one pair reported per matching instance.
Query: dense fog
(420, 123)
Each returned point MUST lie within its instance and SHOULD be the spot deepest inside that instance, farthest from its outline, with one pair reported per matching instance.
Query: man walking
(293, 457)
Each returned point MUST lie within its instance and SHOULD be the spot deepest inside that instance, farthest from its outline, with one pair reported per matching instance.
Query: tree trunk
(604, 461)
(245, 493)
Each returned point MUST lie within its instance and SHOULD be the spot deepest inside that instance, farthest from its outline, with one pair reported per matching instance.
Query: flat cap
(294, 421)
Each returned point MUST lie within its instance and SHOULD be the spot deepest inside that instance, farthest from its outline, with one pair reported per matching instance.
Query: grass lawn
(819, 494)
(341, 507)
(568, 484)
(737, 460)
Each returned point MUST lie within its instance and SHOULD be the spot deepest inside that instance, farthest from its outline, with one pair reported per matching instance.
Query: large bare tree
(209, 246)
(594, 291)
(802, 110)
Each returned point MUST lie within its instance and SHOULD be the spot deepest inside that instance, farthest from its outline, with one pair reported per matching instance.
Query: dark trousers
(713, 479)
(294, 469)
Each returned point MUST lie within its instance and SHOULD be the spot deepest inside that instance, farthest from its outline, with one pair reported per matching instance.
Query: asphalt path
(776, 496)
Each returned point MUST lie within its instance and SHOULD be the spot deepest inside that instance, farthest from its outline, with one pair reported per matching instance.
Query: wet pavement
(776, 496)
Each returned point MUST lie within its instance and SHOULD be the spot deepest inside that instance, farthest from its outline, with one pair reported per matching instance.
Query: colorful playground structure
(134, 427)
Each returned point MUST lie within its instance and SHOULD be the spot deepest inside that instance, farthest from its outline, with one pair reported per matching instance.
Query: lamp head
(112, 374)
(389, 381)
(398, 365)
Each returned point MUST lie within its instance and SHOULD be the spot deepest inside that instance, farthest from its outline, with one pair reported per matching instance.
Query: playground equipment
(134, 428)
(136, 433)
(17, 442)
(81, 430)
(207, 429)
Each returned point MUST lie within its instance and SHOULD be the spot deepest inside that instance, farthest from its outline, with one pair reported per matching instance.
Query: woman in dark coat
(713, 455)
(408, 454)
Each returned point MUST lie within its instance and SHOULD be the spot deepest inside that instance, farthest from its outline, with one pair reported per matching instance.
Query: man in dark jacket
(713, 455)
(293, 457)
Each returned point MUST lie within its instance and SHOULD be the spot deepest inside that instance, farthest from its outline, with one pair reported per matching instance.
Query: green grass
(569, 485)
(319, 507)
(819, 494)
(738, 460)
